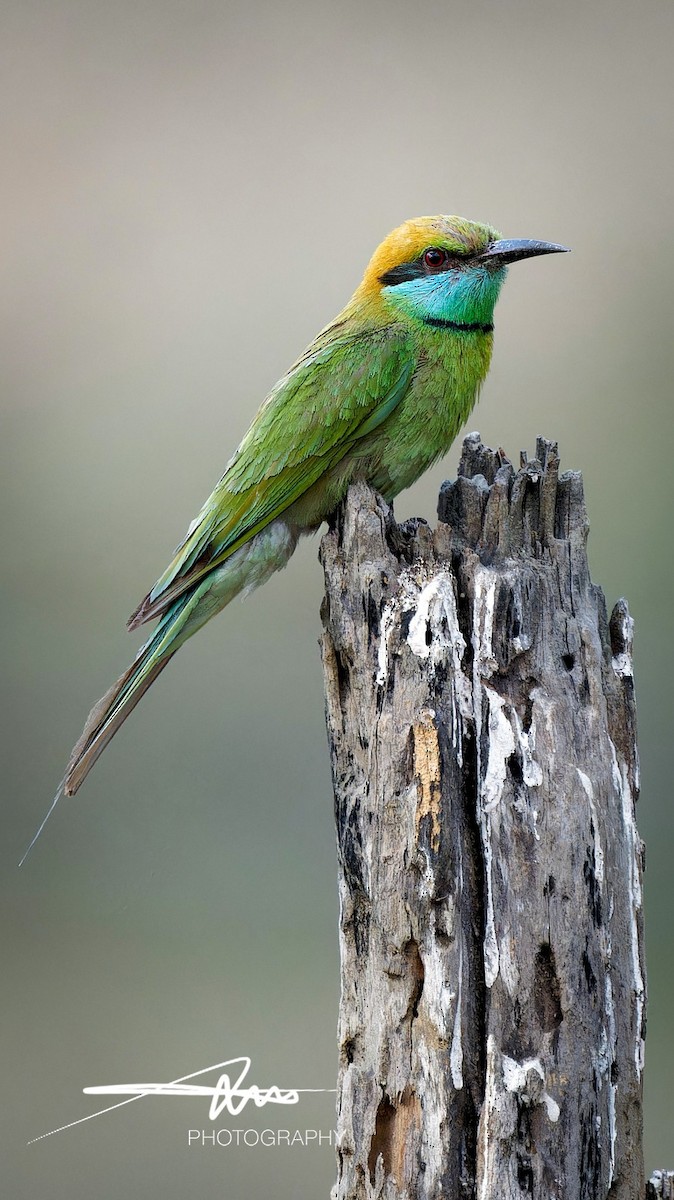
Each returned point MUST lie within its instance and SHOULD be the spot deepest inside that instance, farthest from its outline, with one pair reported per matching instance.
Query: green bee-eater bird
(379, 395)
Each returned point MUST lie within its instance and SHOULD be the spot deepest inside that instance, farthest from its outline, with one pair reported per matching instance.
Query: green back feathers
(337, 393)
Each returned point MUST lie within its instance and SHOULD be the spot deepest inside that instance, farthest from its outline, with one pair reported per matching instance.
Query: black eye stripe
(418, 269)
(403, 273)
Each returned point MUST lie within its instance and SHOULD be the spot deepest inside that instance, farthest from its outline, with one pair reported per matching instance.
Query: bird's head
(444, 271)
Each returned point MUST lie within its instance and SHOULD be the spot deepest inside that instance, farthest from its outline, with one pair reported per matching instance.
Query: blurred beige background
(190, 191)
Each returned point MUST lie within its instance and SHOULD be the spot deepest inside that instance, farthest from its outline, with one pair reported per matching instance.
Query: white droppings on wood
(613, 1087)
(662, 1183)
(456, 1051)
(436, 621)
(516, 1079)
(483, 620)
(490, 943)
(484, 664)
(508, 1084)
(431, 606)
(522, 640)
(598, 852)
(520, 644)
(532, 775)
(438, 995)
(434, 633)
(501, 746)
(622, 786)
(506, 733)
(388, 619)
(622, 662)
(405, 600)
(603, 1059)
(487, 1149)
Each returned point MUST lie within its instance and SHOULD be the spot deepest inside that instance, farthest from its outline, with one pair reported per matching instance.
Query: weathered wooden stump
(481, 719)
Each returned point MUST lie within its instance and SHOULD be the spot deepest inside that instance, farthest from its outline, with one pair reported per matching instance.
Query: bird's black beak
(504, 252)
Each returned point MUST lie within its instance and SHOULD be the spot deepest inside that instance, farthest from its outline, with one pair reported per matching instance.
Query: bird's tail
(248, 567)
(245, 570)
(114, 707)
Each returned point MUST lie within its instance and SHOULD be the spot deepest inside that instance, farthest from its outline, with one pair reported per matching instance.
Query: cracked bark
(481, 720)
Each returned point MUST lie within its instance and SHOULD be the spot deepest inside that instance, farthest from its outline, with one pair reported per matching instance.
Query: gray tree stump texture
(481, 720)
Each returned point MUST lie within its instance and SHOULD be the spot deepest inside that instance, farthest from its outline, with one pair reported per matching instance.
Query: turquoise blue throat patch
(463, 297)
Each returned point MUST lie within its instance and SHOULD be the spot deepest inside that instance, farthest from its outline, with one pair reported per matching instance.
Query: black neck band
(459, 326)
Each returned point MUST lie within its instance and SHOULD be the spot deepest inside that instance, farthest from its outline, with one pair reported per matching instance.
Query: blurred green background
(190, 191)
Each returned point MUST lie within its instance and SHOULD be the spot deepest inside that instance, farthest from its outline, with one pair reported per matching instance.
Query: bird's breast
(444, 388)
(449, 370)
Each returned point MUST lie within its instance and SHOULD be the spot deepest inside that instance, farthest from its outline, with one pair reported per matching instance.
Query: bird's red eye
(434, 259)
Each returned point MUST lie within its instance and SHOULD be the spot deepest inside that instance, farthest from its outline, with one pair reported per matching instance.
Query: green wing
(339, 391)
